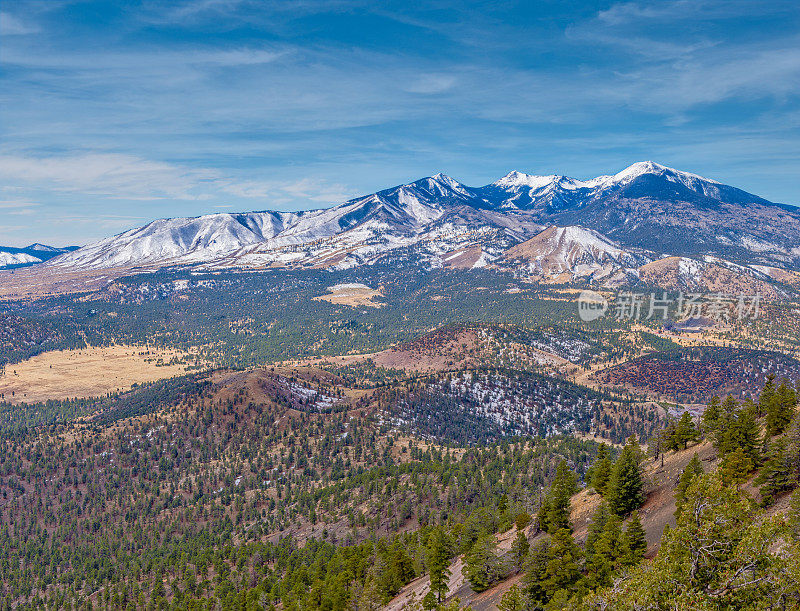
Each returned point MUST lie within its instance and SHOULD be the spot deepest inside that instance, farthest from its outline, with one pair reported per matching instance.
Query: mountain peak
(444, 179)
(520, 179)
(641, 168)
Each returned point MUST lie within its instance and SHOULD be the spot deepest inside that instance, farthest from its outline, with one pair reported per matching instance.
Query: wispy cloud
(281, 192)
(131, 178)
(112, 175)
(198, 105)
(11, 25)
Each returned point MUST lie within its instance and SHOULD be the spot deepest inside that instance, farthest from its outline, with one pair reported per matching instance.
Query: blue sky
(115, 113)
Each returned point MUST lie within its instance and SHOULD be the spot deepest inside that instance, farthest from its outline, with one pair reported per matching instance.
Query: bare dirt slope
(657, 512)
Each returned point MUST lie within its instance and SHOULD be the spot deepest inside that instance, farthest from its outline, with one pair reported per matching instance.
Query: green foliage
(711, 414)
(626, 485)
(512, 600)
(522, 520)
(720, 555)
(482, 565)
(737, 438)
(601, 469)
(634, 543)
(777, 475)
(556, 507)
(437, 558)
(690, 472)
(686, 431)
(562, 570)
(519, 551)
(780, 409)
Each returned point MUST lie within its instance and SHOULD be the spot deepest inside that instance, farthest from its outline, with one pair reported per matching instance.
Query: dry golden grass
(352, 295)
(88, 372)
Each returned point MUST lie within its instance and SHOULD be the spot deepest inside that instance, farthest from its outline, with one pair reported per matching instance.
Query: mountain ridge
(645, 206)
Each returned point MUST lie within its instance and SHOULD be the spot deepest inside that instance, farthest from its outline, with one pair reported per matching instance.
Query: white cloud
(279, 192)
(107, 174)
(432, 83)
(13, 26)
(127, 177)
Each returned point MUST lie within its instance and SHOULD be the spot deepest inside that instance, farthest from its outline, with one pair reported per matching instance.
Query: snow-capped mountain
(11, 257)
(644, 179)
(646, 207)
(574, 252)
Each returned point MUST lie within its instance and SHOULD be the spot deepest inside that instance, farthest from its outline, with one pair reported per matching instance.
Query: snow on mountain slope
(179, 240)
(8, 259)
(576, 251)
(645, 207)
(708, 275)
(29, 255)
(386, 220)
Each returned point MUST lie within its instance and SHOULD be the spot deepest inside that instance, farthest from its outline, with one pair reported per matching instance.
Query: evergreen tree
(607, 550)
(558, 504)
(690, 472)
(512, 600)
(635, 542)
(746, 434)
(438, 560)
(542, 513)
(626, 485)
(765, 400)
(781, 409)
(711, 415)
(596, 527)
(519, 551)
(601, 470)
(536, 572)
(776, 475)
(670, 435)
(726, 421)
(563, 564)
(793, 450)
(685, 430)
(736, 466)
(481, 565)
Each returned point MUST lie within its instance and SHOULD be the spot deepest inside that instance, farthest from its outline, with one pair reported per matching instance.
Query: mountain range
(606, 227)
(11, 257)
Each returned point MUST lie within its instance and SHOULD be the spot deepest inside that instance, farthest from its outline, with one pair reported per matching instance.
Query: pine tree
(793, 450)
(512, 600)
(635, 542)
(767, 396)
(596, 527)
(626, 485)
(781, 409)
(563, 564)
(745, 433)
(541, 515)
(533, 581)
(776, 474)
(725, 423)
(670, 435)
(685, 430)
(558, 505)
(606, 552)
(519, 550)
(711, 415)
(690, 472)
(438, 560)
(601, 470)
(736, 466)
(481, 564)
